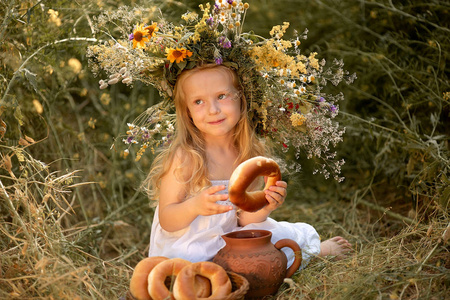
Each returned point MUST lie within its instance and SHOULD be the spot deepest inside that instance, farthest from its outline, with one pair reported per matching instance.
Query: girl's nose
(214, 108)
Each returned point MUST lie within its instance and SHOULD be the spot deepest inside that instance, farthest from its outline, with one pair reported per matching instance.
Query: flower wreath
(283, 87)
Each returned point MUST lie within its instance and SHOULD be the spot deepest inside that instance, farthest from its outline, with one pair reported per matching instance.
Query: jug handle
(298, 257)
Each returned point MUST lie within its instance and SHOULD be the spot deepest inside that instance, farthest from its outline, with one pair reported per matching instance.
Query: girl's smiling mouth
(216, 122)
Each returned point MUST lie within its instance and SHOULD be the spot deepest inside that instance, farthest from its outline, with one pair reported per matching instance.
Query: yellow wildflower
(297, 119)
(279, 30)
(75, 64)
(313, 62)
(446, 95)
(301, 67)
(151, 30)
(54, 17)
(105, 99)
(177, 55)
(139, 36)
(92, 122)
(190, 17)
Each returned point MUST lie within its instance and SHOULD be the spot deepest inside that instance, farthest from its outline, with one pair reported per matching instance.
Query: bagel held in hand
(184, 288)
(139, 279)
(244, 175)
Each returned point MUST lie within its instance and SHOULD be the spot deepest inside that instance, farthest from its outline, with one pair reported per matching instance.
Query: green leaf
(231, 65)
(185, 37)
(32, 79)
(190, 65)
(18, 115)
(181, 65)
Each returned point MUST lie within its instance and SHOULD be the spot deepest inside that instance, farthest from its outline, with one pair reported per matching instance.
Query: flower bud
(113, 81)
(127, 80)
(103, 84)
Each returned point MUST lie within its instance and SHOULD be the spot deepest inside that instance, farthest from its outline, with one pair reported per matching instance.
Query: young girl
(190, 178)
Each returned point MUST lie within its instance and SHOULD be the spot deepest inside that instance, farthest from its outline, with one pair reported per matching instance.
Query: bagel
(159, 290)
(202, 286)
(139, 283)
(171, 267)
(184, 287)
(244, 175)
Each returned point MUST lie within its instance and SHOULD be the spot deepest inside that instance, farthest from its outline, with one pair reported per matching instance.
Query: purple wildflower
(320, 99)
(230, 1)
(210, 21)
(130, 139)
(145, 135)
(333, 108)
(218, 60)
(224, 42)
(131, 37)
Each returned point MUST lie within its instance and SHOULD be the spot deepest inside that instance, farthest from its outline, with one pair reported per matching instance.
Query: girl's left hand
(275, 195)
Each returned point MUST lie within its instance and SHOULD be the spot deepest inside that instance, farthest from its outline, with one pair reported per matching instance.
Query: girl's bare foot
(336, 246)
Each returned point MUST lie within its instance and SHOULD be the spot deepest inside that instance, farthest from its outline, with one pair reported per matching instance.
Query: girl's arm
(176, 212)
(275, 195)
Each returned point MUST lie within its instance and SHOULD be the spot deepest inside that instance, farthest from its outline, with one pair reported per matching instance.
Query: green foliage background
(74, 222)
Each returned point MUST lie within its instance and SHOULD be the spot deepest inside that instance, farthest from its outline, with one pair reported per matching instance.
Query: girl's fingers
(219, 209)
(281, 184)
(225, 208)
(221, 197)
(279, 190)
(215, 188)
(270, 199)
(274, 198)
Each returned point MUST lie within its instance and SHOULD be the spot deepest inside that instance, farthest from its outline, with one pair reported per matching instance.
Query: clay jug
(251, 254)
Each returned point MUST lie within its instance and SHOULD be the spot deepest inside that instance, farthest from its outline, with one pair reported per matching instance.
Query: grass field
(74, 222)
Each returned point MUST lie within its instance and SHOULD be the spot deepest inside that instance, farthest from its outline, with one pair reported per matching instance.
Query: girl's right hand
(205, 201)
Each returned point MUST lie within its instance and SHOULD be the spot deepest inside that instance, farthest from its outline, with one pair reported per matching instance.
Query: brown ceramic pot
(251, 254)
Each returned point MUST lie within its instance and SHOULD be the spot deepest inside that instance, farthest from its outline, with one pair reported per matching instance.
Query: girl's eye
(198, 102)
(222, 96)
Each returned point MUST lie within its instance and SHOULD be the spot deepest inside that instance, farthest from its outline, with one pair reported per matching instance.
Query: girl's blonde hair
(189, 146)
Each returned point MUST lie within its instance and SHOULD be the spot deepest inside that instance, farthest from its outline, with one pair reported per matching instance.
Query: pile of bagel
(158, 277)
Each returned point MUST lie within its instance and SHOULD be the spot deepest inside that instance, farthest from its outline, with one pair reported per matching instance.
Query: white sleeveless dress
(201, 240)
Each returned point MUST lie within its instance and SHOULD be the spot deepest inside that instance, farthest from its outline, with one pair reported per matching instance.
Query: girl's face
(212, 101)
